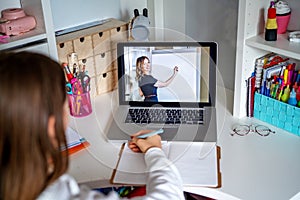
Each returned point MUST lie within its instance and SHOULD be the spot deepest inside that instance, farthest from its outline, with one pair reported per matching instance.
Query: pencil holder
(277, 113)
(80, 104)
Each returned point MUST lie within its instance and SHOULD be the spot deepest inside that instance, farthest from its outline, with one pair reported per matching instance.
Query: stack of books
(75, 142)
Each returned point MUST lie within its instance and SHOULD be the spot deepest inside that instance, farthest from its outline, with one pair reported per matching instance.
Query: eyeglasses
(243, 130)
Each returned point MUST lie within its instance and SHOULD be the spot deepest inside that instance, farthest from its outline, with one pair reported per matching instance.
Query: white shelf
(251, 44)
(282, 46)
(19, 40)
(43, 32)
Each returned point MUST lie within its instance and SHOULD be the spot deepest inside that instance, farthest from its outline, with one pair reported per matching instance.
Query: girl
(33, 120)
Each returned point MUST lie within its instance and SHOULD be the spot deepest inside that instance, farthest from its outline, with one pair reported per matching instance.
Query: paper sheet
(197, 163)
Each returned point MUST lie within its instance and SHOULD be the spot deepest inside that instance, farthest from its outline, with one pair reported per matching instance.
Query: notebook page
(131, 168)
(197, 162)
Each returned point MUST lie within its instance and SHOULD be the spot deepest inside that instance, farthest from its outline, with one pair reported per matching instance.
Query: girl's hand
(142, 145)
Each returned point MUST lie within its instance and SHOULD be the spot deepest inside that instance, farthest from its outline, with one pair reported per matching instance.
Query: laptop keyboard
(164, 116)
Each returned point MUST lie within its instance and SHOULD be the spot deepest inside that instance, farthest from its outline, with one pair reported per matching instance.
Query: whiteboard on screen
(186, 85)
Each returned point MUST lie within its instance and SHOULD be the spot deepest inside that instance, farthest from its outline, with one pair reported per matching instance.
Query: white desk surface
(252, 166)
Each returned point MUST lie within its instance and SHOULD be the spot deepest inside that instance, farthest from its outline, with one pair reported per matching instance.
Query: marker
(285, 76)
(68, 73)
(286, 94)
(292, 100)
(159, 131)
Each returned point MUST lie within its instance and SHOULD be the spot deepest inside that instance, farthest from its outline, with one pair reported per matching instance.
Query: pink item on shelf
(14, 21)
(4, 38)
(282, 23)
(13, 13)
(283, 15)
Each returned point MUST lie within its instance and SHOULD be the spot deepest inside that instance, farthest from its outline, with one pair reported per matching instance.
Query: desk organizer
(277, 113)
(96, 50)
(80, 104)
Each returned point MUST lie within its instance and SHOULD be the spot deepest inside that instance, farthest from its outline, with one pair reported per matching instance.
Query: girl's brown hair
(32, 88)
(139, 66)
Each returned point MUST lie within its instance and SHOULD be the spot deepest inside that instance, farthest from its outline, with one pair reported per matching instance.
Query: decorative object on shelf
(271, 25)
(283, 15)
(14, 21)
(140, 24)
(294, 36)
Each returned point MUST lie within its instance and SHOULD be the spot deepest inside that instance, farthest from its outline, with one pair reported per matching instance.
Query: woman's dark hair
(32, 88)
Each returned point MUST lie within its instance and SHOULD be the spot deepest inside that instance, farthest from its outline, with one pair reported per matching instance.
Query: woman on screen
(147, 83)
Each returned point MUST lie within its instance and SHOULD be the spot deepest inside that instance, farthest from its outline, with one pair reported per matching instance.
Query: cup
(282, 23)
(80, 104)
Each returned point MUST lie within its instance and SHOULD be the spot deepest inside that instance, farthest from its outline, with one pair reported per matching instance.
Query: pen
(159, 131)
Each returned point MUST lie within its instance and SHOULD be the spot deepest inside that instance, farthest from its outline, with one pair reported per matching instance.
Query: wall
(9, 4)
(217, 21)
(294, 24)
(207, 20)
(199, 19)
(69, 13)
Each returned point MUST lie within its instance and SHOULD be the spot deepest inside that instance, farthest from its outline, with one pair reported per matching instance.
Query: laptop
(185, 108)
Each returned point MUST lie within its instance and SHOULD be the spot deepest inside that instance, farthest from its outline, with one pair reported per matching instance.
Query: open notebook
(197, 162)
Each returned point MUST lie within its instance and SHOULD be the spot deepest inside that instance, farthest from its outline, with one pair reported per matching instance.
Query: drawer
(83, 47)
(119, 34)
(101, 42)
(107, 82)
(89, 66)
(103, 62)
(64, 49)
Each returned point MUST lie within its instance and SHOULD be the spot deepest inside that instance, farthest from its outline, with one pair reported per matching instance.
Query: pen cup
(80, 105)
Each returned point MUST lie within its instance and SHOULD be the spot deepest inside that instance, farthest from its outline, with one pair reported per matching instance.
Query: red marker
(68, 72)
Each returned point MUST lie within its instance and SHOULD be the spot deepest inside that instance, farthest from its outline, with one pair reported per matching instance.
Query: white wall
(199, 19)
(9, 4)
(69, 13)
(127, 7)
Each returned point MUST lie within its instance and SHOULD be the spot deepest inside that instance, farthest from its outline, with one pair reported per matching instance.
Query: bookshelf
(40, 39)
(251, 45)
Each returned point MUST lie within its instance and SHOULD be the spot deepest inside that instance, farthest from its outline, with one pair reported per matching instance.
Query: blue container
(277, 113)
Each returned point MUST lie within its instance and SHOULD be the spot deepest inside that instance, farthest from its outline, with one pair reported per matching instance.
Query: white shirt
(164, 182)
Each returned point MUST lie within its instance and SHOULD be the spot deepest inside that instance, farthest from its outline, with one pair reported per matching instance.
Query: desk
(252, 167)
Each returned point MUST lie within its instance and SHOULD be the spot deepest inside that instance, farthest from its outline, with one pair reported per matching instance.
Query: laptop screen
(167, 73)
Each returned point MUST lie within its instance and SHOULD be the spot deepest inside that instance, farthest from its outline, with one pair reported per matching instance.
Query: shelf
(282, 46)
(19, 40)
